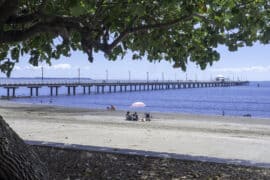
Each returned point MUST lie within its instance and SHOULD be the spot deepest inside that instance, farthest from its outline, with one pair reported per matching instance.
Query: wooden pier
(90, 86)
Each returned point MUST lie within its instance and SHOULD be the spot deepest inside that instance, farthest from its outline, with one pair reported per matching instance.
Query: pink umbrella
(138, 104)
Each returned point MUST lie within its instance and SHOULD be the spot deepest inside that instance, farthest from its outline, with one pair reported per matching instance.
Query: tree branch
(2, 2)
(24, 19)
(42, 5)
(8, 8)
(204, 18)
(27, 18)
(99, 6)
(128, 31)
(21, 35)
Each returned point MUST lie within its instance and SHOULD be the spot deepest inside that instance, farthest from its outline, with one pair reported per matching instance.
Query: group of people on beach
(111, 108)
(135, 117)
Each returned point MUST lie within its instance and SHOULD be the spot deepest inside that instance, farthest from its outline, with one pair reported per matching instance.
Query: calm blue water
(234, 101)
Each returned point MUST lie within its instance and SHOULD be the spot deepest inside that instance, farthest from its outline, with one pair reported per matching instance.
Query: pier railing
(102, 86)
(15, 82)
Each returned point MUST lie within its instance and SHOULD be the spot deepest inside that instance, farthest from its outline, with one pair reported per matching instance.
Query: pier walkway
(92, 86)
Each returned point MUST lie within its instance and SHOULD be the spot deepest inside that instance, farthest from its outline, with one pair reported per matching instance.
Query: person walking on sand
(113, 108)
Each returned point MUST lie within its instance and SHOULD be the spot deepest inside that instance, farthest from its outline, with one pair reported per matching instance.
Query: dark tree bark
(17, 159)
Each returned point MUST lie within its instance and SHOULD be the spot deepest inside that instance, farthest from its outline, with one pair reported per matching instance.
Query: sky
(248, 63)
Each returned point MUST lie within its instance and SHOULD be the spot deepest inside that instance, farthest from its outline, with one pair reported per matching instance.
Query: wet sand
(241, 138)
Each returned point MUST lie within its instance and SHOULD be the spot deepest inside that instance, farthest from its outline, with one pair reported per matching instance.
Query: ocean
(232, 101)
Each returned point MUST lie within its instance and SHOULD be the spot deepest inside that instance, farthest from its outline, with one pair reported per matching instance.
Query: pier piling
(112, 86)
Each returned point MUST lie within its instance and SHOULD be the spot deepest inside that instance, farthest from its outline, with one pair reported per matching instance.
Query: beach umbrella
(138, 104)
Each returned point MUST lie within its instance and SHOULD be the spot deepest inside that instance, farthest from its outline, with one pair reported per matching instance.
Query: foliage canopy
(172, 30)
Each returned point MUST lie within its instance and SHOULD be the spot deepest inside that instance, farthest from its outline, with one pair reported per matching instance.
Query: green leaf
(77, 10)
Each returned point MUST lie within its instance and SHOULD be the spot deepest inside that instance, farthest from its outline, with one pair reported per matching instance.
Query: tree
(17, 160)
(177, 31)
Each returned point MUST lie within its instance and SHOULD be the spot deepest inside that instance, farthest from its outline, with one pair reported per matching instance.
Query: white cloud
(86, 68)
(244, 69)
(60, 67)
(53, 67)
(17, 68)
(30, 67)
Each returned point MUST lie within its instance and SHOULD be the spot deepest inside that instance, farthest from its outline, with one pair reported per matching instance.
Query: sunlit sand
(240, 138)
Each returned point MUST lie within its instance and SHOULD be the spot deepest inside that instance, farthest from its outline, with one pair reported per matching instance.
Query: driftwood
(17, 159)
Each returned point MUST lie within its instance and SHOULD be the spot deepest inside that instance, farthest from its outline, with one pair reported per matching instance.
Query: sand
(240, 138)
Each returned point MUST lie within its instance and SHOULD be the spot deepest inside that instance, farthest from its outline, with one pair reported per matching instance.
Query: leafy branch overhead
(175, 30)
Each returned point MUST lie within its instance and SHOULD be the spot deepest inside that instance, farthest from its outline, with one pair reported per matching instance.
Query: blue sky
(251, 63)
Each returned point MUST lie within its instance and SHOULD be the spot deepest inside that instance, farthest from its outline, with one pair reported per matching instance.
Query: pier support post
(138, 86)
(110, 88)
(74, 90)
(56, 90)
(51, 90)
(37, 91)
(13, 92)
(31, 91)
(68, 90)
(8, 92)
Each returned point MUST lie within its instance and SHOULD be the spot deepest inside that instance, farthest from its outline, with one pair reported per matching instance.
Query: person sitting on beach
(135, 116)
(147, 117)
(128, 116)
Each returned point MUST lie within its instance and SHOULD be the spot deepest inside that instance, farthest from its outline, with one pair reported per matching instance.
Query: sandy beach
(241, 138)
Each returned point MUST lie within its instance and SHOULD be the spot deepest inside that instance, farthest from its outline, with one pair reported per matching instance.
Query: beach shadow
(150, 154)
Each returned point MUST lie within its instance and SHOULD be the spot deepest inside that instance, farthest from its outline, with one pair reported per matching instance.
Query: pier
(91, 86)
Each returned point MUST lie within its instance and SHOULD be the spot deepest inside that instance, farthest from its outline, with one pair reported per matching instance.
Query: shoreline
(136, 110)
(238, 138)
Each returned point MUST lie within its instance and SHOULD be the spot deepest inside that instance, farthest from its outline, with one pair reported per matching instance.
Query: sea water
(253, 99)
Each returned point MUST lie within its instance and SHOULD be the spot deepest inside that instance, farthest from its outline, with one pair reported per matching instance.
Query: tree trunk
(17, 159)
